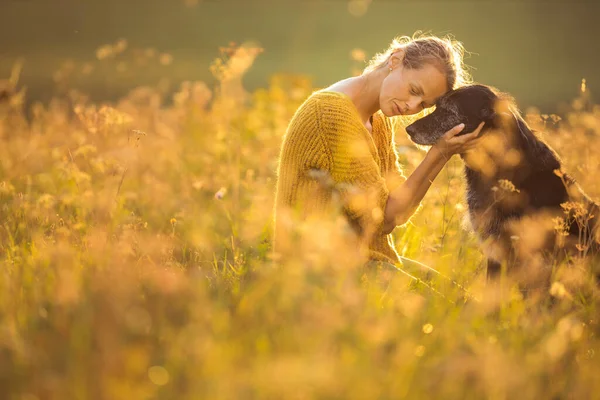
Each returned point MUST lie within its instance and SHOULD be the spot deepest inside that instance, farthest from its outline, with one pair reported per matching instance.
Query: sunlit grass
(135, 263)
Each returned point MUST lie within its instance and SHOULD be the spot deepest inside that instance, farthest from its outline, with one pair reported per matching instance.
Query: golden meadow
(136, 261)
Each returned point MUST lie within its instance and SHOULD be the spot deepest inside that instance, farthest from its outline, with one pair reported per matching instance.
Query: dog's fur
(516, 188)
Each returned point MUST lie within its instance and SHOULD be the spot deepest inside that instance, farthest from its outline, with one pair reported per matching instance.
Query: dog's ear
(494, 108)
(488, 114)
(498, 112)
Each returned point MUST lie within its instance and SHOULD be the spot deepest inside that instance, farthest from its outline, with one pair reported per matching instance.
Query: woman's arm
(404, 200)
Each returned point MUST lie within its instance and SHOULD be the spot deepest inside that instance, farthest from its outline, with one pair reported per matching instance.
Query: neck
(364, 92)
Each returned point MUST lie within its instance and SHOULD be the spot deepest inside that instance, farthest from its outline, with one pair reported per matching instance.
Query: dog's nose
(410, 129)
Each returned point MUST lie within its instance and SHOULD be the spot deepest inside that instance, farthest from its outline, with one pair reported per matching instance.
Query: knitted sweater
(327, 154)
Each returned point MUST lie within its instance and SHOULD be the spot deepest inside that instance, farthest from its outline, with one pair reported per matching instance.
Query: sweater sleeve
(354, 167)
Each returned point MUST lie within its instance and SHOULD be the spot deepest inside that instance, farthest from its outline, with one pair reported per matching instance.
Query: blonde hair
(445, 53)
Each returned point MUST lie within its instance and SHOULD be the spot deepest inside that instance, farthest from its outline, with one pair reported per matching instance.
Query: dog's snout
(410, 129)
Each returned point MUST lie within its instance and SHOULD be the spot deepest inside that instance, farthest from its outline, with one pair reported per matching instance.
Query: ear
(396, 58)
(499, 111)
(488, 114)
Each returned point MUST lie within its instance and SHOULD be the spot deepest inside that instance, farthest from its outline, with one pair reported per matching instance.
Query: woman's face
(407, 91)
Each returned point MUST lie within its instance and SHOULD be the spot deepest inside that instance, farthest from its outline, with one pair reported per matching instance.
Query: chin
(389, 112)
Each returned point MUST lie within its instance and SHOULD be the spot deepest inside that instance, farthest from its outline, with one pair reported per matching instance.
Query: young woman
(342, 136)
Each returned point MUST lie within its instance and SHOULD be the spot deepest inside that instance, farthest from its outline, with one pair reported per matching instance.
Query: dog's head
(469, 105)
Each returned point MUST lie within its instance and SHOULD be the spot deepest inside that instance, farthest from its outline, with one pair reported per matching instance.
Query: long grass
(135, 264)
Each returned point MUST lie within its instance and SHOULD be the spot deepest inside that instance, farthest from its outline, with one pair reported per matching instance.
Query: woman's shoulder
(326, 97)
(327, 107)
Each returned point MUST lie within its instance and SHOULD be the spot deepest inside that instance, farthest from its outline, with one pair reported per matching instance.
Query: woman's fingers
(450, 143)
(454, 131)
(475, 139)
(477, 130)
(469, 136)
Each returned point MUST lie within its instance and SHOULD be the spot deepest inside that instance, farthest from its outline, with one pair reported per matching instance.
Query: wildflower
(221, 193)
(198, 184)
(104, 52)
(581, 247)
(138, 133)
(46, 201)
(558, 290)
(6, 188)
(427, 329)
(321, 176)
(560, 226)
(507, 186)
(113, 116)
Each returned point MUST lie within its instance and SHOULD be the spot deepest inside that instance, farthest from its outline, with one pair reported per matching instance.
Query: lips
(397, 109)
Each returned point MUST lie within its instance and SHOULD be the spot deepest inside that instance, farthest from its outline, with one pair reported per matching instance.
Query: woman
(342, 136)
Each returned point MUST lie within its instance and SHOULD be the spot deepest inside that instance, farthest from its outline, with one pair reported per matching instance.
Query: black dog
(523, 207)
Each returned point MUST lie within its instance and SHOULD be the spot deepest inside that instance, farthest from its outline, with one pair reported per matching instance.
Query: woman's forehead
(431, 80)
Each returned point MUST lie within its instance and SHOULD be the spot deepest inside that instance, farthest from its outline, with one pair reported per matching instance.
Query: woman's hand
(450, 144)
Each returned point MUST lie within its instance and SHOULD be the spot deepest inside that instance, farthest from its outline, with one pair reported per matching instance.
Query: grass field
(135, 264)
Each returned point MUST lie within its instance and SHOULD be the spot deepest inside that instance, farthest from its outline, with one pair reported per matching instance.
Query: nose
(410, 129)
(414, 105)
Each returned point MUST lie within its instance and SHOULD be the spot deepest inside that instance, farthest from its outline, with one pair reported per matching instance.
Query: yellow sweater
(328, 154)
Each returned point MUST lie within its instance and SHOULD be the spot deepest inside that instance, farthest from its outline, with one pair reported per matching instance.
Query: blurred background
(539, 51)
(135, 237)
